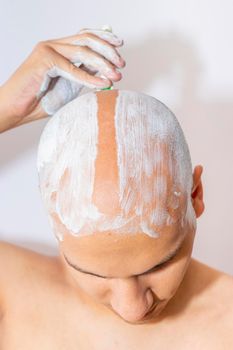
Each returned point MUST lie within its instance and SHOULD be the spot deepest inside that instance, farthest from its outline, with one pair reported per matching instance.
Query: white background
(180, 52)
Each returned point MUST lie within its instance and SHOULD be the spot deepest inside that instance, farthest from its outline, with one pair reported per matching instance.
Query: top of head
(114, 160)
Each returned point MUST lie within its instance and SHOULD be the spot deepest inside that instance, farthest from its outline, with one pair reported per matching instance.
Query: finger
(89, 58)
(90, 70)
(102, 47)
(106, 27)
(105, 35)
(100, 33)
(98, 45)
(66, 69)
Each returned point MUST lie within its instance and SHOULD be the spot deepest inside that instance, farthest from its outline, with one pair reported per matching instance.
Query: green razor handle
(108, 88)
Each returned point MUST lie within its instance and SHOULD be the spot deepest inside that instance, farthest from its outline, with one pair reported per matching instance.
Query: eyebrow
(167, 258)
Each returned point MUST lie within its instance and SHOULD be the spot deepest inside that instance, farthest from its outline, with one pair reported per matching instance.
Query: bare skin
(41, 310)
(45, 303)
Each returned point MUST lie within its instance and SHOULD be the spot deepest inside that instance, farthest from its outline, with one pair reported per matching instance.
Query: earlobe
(197, 191)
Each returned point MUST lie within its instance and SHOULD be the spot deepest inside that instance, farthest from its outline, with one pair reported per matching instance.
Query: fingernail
(112, 74)
(122, 62)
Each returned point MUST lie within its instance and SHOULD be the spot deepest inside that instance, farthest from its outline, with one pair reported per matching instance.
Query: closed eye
(157, 268)
(162, 266)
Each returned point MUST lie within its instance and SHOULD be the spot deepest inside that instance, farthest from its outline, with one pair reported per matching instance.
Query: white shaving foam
(148, 138)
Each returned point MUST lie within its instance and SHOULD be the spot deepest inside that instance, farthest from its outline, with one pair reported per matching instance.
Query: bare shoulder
(19, 266)
(219, 285)
(216, 300)
(223, 282)
(223, 295)
(14, 257)
(15, 260)
(11, 263)
(223, 321)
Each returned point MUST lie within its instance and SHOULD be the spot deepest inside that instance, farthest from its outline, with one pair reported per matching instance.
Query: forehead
(108, 250)
(112, 167)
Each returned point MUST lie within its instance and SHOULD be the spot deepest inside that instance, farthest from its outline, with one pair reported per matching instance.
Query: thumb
(63, 92)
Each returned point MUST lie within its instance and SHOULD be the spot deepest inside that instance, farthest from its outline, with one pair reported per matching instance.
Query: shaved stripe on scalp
(115, 161)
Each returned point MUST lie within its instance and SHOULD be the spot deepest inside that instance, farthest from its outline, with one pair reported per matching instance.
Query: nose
(130, 299)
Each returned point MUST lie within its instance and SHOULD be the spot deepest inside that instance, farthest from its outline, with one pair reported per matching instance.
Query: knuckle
(41, 43)
(41, 46)
(88, 36)
(43, 53)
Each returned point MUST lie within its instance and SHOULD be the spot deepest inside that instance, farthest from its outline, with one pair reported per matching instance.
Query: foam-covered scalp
(115, 161)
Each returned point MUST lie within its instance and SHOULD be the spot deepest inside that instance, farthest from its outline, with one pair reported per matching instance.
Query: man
(116, 179)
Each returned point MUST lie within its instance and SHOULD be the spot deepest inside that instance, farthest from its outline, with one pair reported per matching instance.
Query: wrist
(7, 121)
(10, 119)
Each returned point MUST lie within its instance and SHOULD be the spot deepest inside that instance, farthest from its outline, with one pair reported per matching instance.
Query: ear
(197, 191)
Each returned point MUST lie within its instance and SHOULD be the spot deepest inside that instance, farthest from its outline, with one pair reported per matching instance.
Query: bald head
(115, 161)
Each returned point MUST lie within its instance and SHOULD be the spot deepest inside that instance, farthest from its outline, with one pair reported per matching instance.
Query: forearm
(6, 120)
